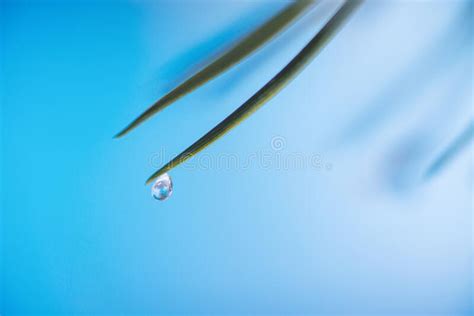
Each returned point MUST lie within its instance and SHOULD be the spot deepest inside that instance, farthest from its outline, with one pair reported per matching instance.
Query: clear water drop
(162, 188)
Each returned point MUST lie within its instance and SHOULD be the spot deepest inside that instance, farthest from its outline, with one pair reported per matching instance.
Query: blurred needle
(451, 151)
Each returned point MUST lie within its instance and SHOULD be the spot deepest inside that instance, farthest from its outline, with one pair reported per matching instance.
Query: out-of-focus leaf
(451, 151)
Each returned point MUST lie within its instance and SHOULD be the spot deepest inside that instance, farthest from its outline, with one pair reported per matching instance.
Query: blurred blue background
(369, 232)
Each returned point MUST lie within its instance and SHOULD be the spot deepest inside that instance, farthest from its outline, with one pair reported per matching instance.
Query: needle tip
(120, 134)
(150, 179)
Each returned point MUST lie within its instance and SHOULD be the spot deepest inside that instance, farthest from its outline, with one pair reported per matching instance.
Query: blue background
(365, 233)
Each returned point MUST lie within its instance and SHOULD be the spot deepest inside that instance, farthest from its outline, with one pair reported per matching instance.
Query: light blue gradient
(365, 233)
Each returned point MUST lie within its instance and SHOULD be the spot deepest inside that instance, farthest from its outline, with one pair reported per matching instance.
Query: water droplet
(162, 188)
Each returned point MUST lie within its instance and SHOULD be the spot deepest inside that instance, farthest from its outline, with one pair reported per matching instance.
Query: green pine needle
(238, 52)
(277, 83)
